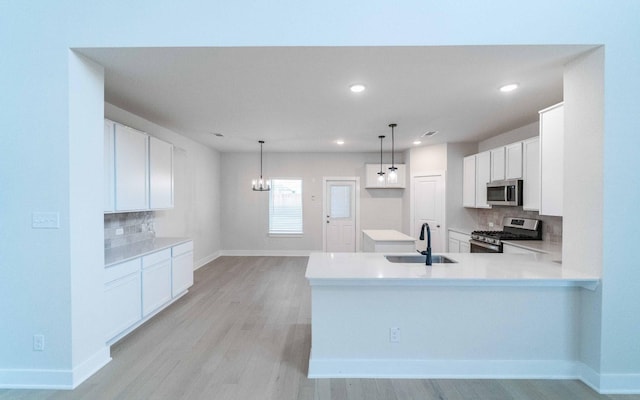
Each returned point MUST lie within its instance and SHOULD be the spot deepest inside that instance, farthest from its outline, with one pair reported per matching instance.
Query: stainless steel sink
(419, 259)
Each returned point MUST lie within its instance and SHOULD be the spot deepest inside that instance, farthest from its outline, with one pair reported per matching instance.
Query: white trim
(60, 379)
(355, 179)
(267, 253)
(442, 369)
(619, 384)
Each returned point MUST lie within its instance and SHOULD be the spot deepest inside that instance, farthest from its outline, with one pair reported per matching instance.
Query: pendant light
(260, 185)
(393, 176)
(381, 173)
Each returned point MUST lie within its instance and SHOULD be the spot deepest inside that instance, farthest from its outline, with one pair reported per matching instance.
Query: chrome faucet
(426, 252)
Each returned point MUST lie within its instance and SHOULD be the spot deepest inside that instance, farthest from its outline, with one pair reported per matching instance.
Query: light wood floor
(243, 332)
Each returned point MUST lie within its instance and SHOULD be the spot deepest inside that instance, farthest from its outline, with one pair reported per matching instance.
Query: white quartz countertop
(387, 235)
(464, 231)
(125, 253)
(540, 246)
(471, 269)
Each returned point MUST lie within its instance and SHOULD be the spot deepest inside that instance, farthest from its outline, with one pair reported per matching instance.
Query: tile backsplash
(135, 227)
(551, 226)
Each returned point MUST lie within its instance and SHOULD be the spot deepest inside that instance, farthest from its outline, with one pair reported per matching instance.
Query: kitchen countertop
(125, 253)
(540, 246)
(471, 269)
(388, 235)
(464, 231)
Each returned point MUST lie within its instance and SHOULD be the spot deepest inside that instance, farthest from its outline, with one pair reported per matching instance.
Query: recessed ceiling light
(416, 142)
(357, 88)
(509, 88)
(340, 142)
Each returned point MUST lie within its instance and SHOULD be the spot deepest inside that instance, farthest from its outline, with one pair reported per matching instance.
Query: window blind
(285, 207)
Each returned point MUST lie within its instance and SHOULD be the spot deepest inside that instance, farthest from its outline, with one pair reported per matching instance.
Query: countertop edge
(159, 244)
(540, 246)
(463, 231)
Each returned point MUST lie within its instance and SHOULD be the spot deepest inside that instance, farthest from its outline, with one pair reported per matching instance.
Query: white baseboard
(206, 260)
(60, 379)
(619, 384)
(267, 253)
(442, 369)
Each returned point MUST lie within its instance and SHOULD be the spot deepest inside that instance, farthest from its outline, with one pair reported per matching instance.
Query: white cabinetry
(551, 159)
(182, 268)
(156, 280)
(497, 164)
(109, 166)
(160, 174)
(483, 176)
(469, 181)
(122, 297)
(531, 174)
(372, 176)
(513, 161)
(459, 242)
(131, 169)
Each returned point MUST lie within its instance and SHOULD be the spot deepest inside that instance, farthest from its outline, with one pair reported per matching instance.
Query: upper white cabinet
(497, 164)
(469, 181)
(551, 159)
(483, 176)
(131, 169)
(109, 166)
(160, 174)
(513, 161)
(531, 174)
(372, 176)
(138, 170)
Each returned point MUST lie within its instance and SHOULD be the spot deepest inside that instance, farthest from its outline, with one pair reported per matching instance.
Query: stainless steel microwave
(505, 193)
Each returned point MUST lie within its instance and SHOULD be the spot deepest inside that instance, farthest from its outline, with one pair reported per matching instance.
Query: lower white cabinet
(156, 280)
(122, 296)
(137, 289)
(182, 268)
(459, 242)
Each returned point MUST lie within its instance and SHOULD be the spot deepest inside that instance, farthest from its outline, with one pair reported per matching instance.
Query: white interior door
(340, 217)
(428, 206)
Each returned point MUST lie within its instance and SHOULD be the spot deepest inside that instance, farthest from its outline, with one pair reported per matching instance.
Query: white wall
(196, 212)
(512, 136)
(35, 169)
(245, 220)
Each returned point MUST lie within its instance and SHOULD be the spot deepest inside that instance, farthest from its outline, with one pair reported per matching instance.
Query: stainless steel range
(514, 229)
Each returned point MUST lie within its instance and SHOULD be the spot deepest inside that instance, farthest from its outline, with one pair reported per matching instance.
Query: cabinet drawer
(182, 248)
(120, 270)
(155, 258)
(459, 236)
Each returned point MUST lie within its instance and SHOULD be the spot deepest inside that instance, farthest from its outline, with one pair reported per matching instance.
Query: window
(285, 207)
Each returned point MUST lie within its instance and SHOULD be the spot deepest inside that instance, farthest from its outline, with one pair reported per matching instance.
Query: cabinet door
(372, 176)
(497, 164)
(122, 304)
(156, 286)
(160, 174)
(182, 273)
(465, 247)
(483, 176)
(531, 174)
(551, 160)
(401, 173)
(513, 161)
(469, 181)
(109, 166)
(131, 169)
(454, 246)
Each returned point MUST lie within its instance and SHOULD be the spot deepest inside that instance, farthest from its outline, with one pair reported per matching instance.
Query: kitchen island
(486, 316)
(387, 240)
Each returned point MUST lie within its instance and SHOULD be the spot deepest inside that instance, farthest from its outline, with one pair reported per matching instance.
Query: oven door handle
(485, 245)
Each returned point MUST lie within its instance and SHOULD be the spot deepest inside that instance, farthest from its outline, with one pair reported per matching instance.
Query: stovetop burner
(514, 229)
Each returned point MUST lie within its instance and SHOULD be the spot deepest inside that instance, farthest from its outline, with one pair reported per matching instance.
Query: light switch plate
(45, 220)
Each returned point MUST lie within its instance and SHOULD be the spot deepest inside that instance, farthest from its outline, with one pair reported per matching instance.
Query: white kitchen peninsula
(387, 240)
(487, 316)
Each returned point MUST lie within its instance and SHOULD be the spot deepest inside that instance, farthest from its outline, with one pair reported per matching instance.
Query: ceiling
(297, 99)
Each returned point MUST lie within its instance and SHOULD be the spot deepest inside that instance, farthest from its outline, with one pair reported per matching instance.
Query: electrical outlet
(119, 231)
(490, 224)
(394, 335)
(38, 342)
